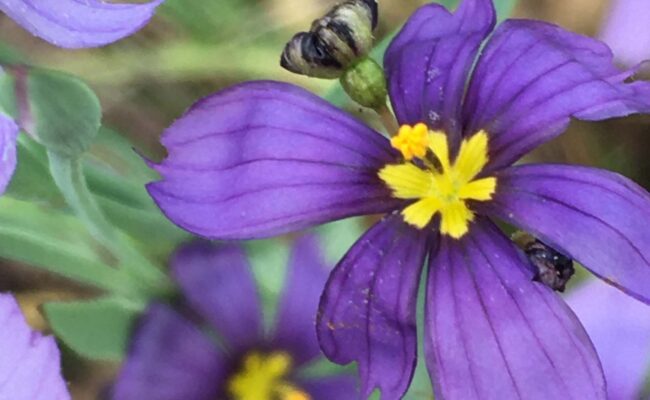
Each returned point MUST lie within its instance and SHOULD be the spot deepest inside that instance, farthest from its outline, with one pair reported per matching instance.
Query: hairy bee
(552, 268)
(334, 41)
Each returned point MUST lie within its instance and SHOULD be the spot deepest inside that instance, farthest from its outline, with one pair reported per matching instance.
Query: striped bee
(334, 41)
(552, 268)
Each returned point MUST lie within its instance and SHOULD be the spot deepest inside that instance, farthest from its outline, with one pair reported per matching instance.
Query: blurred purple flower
(264, 158)
(78, 24)
(29, 363)
(627, 31)
(8, 135)
(10, 127)
(620, 329)
(172, 357)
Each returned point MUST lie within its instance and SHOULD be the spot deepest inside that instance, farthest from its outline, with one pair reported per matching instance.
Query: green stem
(388, 120)
(68, 175)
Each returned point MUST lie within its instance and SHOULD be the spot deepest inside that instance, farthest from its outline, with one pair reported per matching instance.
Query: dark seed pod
(334, 41)
(552, 268)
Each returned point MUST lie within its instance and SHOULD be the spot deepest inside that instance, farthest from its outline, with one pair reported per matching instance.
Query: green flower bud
(334, 42)
(365, 83)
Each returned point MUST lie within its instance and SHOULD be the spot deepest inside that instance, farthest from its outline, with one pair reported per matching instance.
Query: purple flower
(29, 363)
(620, 329)
(77, 24)
(265, 158)
(627, 31)
(8, 135)
(172, 357)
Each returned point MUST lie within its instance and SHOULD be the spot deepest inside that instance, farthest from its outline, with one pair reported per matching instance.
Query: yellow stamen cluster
(412, 141)
(443, 190)
(262, 378)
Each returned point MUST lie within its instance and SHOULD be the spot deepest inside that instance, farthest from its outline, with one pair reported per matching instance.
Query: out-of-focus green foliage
(32, 180)
(97, 329)
(55, 242)
(208, 20)
(66, 113)
(268, 259)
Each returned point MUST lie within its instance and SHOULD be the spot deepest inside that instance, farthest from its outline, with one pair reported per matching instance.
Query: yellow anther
(262, 378)
(412, 141)
(446, 191)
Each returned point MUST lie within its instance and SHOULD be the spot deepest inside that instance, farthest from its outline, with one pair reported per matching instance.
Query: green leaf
(96, 329)
(65, 111)
(32, 179)
(9, 55)
(54, 242)
(7, 97)
(117, 175)
(68, 176)
(147, 226)
(112, 149)
(125, 203)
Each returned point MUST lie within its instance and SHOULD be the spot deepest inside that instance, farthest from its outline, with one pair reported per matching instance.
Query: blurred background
(193, 48)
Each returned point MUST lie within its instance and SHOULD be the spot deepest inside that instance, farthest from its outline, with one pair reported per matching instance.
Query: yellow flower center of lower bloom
(443, 188)
(262, 377)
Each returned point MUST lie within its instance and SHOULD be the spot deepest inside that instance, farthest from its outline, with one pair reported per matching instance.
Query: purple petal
(532, 77)
(367, 312)
(29, 363)
(217, 281)
(8, 134)
(627, 31)
(492, 333)
(428, 62)
(295, 328)
(78, 24)
(170, 359)
(339, 387)
(264, 158)
(596, 217)
(619, 326)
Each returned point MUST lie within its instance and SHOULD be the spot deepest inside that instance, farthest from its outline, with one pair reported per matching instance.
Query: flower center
(437, 185)
(261, 377)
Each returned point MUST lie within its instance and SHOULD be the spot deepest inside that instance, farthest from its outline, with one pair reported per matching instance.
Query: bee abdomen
(306, 54)
(334, 41)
